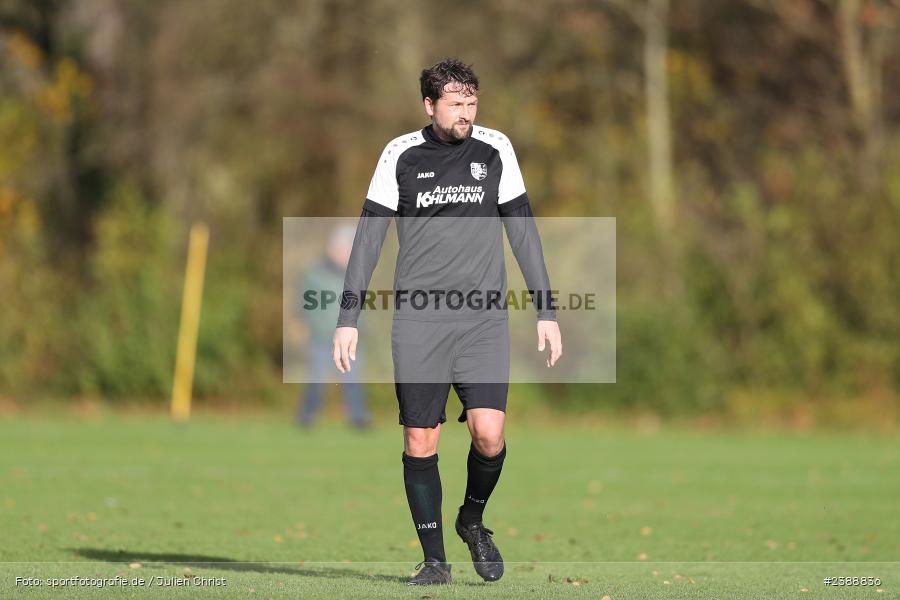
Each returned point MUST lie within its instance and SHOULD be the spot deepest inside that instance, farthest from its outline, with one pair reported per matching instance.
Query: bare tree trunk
(862, 70)
(659, 141)
(409, 43)
(659, 126)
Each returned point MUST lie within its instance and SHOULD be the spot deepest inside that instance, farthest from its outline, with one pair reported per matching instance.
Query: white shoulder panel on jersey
(511, 184)
(383, 188)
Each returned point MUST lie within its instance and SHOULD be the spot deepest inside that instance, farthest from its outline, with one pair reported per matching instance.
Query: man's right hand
(344, 347)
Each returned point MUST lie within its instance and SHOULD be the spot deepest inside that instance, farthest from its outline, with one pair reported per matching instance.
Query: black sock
(423, 492)
(483, 475)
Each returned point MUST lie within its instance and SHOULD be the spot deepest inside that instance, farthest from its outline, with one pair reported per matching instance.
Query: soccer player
(457, 331)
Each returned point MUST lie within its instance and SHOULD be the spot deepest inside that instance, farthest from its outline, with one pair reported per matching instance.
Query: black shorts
(430, 356)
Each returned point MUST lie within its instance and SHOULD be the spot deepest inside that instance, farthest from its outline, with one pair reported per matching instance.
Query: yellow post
(190, 322)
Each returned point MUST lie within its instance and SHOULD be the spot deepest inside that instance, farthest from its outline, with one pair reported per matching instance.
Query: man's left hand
(549, 331)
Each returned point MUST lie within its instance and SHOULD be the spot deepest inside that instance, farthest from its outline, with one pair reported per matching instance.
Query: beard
(456, 131)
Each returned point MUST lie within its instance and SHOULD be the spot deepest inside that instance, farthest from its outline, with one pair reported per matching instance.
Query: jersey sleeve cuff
(509, 206)
(379, 209)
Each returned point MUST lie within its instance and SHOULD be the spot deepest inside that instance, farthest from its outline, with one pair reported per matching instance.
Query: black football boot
(485, 555)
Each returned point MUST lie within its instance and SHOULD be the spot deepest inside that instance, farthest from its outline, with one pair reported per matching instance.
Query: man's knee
(486, 428)
(420, 442)
(488, 443)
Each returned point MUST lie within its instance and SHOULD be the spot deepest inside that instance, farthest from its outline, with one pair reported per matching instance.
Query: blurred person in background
(327, 275)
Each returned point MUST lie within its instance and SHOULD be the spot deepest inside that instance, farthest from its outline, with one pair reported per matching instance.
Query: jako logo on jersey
(432, 525)
(447, 194)
(428, 175)
(479, 170)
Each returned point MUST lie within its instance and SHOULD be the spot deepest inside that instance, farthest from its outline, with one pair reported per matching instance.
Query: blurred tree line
(748, 149)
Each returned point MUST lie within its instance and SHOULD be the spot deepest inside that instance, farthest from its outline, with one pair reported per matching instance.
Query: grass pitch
(274, 512)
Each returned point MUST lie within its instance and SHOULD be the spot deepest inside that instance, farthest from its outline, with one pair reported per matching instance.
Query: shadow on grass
(227, 564)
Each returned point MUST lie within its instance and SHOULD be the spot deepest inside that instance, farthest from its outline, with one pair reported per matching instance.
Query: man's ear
(429, 107)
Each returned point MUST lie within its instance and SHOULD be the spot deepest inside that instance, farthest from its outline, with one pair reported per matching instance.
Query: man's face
(454, 112)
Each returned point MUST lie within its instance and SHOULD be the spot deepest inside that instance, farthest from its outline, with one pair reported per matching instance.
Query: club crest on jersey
(479, 170)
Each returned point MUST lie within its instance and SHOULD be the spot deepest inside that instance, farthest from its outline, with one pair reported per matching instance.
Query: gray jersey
(451, 202)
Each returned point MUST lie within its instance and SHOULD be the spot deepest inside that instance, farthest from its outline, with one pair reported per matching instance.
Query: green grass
(280, 513)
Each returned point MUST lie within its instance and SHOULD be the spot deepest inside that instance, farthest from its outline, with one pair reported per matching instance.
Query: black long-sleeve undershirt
(370, 233)
(525, 241)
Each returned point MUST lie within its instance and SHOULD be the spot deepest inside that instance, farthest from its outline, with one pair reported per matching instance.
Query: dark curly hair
(435, 77)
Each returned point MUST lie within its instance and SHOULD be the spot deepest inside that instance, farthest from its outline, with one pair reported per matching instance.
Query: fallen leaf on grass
(642, 556)
(277, 538)
(803, 589)
(134, 565)
(691, 580)
(605, 598)
(539, 537)
(645, 531)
